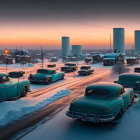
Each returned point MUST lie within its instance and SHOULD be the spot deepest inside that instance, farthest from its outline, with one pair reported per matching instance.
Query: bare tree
(119, 68)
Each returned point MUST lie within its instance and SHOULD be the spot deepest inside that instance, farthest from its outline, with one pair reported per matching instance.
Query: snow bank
(14, 110)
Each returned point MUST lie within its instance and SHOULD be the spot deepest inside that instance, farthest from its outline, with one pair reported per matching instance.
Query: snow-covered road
(61, 127)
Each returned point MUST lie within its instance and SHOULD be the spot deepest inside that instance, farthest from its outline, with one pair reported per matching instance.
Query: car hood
(89, 105)
(40, 76)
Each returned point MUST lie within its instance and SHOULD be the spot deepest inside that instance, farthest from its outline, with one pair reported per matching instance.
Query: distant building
(76, 50)
(65, 46)
(137, 42)
(119, 40)
(21, 56)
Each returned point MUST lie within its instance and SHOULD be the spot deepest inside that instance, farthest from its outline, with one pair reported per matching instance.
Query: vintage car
(51, 65)
(131, 80)
(137, 70)
(72, 65)
(10, 88)
(132, 60)
(16, 74)
(102, 102)
(67, 69)
(85, 70)
(46, 76)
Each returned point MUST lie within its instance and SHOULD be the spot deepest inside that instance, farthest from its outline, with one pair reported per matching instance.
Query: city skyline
(30, 24)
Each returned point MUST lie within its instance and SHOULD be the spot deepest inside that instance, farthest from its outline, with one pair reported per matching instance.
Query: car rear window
(98, 93)
(83, 67)
(42, 71)
(70, 64)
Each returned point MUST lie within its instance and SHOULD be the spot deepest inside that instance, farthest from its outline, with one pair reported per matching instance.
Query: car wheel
(62, 77)
(119, 114)
(132, 100)
(24, 92)
(50, 80)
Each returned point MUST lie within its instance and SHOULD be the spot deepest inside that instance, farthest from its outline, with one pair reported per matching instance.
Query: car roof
(3, 74)
(70, 63)
(85, 66)
(137, 67)
(109, 58)
(112, 88)
(130, 75)
(15, 71)
(49, 70)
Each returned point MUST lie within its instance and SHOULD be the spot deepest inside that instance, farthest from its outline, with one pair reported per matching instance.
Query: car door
(11, 88)
(54, 76)
(3, 92)
(125, 97)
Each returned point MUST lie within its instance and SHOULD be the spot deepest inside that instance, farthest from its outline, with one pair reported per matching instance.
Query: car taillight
(106, 109)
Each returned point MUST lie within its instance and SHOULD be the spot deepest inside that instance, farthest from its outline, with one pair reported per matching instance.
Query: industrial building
(119, 40)
(137, 42)
(65, 46)
(76, 50)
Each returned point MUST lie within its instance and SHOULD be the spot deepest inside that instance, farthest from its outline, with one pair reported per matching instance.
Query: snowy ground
(12, 110)
(61, 127)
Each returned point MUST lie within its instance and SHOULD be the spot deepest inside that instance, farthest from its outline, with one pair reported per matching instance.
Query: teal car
(102, 102)
(10, 88)
(131, 80)
(46, 76)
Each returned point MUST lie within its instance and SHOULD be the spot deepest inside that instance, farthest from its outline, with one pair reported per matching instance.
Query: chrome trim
(90, 117)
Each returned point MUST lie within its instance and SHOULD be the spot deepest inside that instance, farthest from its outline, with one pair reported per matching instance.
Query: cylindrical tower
(76, 50)
(137, 42)
(65, 46)
(118, 40)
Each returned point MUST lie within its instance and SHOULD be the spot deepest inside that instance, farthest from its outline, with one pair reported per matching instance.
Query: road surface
(61, 127)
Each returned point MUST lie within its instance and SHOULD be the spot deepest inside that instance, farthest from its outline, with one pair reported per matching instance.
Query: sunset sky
(32, 23)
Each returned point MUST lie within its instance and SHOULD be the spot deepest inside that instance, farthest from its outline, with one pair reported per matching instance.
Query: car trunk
(89, 105)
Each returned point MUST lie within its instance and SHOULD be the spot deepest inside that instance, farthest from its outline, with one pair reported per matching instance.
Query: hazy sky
(88, 22)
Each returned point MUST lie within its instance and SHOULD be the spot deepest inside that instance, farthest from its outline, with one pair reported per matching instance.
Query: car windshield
(98, 93)
(138, 69)
(4, 79)
(70, 64)
(42, 71)
(64, 68)
(84, 67)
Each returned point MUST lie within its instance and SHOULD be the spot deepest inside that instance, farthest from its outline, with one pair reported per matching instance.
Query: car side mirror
(137, 83)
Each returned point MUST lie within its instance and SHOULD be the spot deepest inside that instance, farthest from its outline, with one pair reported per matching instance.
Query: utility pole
(42, 57)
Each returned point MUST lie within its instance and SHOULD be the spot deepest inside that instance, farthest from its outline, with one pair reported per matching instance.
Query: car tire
(62, 77)
(119, 114)
(132, 100)
(24, 92)
(50, 80)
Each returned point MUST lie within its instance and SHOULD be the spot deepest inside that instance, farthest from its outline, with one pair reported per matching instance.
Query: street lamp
(6, 52)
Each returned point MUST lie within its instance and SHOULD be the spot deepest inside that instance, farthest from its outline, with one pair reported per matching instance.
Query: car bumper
(37, 81)
(90, 117)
